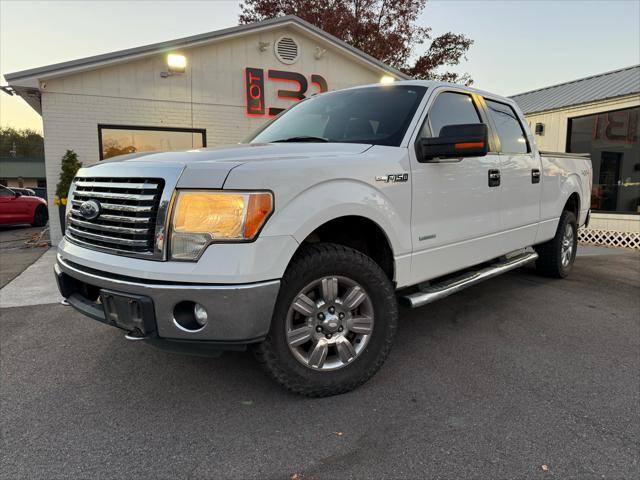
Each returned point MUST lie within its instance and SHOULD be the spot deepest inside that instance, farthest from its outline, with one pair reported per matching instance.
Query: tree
(113, 148)
(28, 143)
(69, 167)
(385, 29)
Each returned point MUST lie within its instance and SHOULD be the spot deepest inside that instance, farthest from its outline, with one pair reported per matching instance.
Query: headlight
(201, 217)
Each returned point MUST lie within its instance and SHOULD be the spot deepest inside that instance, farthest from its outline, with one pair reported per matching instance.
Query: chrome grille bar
(131, 186)
(104, 238)
(118, 196)
(113, 248)
(120, 208)
(109, 228)
(117, 218)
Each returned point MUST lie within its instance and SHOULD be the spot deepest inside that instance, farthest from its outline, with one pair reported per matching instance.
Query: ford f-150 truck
(301, 242)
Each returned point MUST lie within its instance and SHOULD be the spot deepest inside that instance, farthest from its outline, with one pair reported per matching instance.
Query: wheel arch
(347, 205)
(571, 192)
(360, 233)
(573, 204)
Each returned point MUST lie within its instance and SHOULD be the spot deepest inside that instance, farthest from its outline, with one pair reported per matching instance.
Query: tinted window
(512, 138)
(122, 140)
(451, 109)
(5, 192)
(375, 115)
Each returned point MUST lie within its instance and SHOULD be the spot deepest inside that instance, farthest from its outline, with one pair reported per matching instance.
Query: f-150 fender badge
(393, 178)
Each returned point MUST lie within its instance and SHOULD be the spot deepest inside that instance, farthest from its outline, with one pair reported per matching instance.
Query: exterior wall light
(176, 63)
(386, 79)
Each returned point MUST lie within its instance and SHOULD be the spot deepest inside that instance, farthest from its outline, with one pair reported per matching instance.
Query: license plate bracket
(128, 312)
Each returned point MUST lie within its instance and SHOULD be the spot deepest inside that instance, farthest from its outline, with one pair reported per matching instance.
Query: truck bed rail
(584, 156)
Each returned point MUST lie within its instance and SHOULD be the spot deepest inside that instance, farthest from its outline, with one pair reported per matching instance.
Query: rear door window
(509, 129)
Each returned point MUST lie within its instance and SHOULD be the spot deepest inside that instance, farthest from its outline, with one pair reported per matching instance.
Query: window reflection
(123, 140)
(612, 139)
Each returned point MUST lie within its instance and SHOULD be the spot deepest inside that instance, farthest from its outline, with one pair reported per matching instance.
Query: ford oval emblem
(90, 210)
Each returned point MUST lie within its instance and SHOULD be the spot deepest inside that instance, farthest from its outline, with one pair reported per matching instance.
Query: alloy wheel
(329, 323)
(566, 252)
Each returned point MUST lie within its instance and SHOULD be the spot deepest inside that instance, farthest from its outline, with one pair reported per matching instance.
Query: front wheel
(333, 324)
(556, 257)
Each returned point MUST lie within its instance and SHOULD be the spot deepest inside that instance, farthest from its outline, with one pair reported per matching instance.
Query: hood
(209, 167)
(243, 153)
(198, 170)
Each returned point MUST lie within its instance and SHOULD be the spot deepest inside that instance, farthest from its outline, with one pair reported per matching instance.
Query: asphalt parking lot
(519, 377)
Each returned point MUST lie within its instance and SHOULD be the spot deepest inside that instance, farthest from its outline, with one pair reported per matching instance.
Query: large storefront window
(613, 140)
(120, 140)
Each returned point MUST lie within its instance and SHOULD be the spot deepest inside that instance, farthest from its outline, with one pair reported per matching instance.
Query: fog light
(189, 316)
(201, 314)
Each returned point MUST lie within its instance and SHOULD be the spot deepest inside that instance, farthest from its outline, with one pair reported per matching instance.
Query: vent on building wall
(287, 50)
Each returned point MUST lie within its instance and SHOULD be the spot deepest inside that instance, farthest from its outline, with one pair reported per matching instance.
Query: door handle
(494, 178)
(535, 175)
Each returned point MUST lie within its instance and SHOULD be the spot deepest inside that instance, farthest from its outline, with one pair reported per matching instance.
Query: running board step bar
(448, 287)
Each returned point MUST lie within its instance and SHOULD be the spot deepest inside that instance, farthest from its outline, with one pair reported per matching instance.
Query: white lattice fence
(609, 238)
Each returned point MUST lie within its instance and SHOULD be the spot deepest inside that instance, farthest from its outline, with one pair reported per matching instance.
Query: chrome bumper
(237, 313)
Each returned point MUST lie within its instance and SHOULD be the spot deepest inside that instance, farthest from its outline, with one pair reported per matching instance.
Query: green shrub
(69, 168)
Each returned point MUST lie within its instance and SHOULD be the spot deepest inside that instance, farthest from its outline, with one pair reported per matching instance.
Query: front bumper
(238, 314)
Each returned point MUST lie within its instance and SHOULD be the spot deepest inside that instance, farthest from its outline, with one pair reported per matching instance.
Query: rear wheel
(40, 216)
(334, 322)
(556, 257)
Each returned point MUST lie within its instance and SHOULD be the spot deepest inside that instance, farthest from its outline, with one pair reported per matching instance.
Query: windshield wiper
(301, 138)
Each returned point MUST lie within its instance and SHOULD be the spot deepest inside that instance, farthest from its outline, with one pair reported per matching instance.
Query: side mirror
(16, 194)
(456, 141)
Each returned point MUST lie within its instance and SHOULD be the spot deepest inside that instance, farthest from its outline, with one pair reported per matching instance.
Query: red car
(18, 208)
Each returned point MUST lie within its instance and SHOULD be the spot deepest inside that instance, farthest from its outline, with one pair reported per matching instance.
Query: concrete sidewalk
(35, 286)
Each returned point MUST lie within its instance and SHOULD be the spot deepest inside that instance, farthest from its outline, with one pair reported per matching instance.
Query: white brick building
(234, 80)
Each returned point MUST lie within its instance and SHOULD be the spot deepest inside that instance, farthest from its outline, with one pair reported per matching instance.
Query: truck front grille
(128, 210)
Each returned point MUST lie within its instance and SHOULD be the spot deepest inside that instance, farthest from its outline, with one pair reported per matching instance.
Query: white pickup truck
(301, 242)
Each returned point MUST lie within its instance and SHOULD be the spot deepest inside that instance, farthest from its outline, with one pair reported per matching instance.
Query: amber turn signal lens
(260, 207)
(462, 146)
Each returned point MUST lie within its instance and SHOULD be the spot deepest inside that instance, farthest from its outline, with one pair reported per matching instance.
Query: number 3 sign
(254, 84)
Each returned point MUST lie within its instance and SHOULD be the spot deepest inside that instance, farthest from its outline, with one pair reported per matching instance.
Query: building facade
(22, 172)
(598, 115)
(206, 90)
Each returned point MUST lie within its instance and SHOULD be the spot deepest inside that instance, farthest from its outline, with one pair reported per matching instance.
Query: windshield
(377, 115)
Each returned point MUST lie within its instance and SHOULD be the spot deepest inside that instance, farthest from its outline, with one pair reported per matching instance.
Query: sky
(520, 45)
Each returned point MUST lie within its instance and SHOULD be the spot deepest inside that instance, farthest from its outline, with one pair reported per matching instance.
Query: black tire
(550, 254)
(310, 264)
(40, 216)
